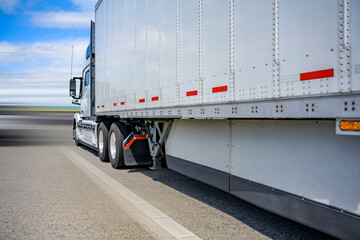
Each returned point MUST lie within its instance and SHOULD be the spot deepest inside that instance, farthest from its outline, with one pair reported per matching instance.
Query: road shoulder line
(151, 218)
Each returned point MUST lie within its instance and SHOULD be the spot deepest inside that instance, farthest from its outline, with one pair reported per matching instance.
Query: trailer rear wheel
(102, 138)
(116, 138)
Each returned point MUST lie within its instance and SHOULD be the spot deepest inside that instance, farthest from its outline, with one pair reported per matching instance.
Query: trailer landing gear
(157, 133)
(156, 163)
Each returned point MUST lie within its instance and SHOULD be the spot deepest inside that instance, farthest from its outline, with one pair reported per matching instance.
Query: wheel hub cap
(101, 141)
(113, 145)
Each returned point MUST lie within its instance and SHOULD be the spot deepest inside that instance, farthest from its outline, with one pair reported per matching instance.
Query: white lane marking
(164, 221)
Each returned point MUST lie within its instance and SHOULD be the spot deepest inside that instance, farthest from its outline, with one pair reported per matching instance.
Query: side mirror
(75, 87)
(72, 88)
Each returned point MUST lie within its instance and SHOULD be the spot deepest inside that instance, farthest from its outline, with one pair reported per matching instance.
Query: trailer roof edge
(98, 4)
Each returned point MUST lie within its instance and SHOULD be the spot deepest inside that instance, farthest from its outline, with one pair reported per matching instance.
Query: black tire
(117, 130)
(103, 131)
(77, 143)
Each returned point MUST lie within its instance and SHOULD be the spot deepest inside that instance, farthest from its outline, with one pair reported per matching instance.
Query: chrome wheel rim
(113, 145)
(101, 141)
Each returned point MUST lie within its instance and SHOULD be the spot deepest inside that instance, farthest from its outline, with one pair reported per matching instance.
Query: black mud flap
(136, 150)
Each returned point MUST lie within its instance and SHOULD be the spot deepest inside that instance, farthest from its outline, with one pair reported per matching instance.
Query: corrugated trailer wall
(309, 42)
(120, 53)
(128, 101)
(255, 59)
(216, 51)
(153, 47)
(141, 54)
(170, 58)
(189, 53)
(152, 54)
(99, 52)
(355, 45)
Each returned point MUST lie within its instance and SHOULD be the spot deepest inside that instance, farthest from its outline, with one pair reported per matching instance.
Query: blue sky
(36, 37)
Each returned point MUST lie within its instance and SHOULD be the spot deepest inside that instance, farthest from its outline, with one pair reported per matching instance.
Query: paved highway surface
(50, 189)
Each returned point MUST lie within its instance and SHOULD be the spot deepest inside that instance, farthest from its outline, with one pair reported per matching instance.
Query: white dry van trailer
(259, 98)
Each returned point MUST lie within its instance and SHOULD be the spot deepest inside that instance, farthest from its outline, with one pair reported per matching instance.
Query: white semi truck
(259, 98)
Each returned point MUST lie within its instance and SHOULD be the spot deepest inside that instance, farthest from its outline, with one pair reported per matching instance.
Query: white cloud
(8, 6)
(55, 50)
(65, 19)
(62, 19)
(85, 5)
(39, 72)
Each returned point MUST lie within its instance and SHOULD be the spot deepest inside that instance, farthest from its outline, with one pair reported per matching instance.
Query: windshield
(88, 52)
(87, 78)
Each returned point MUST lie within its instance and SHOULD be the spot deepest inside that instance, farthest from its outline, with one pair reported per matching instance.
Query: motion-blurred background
(36, 42)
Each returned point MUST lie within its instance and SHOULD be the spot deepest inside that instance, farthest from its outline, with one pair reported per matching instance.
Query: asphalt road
(51, 189)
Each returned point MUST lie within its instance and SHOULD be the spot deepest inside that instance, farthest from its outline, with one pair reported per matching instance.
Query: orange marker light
(349, 125)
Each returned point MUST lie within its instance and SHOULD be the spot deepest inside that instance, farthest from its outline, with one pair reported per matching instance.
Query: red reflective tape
(191, 93)
(122, 103)
(98, 106)
(129, 144)
(154, 98)
(317, 74)
(142, 100)
(219, 89)
(140, 138)
(102, 106)
(114, 104)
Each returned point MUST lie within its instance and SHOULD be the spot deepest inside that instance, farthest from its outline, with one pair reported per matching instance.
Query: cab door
(86, 95)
